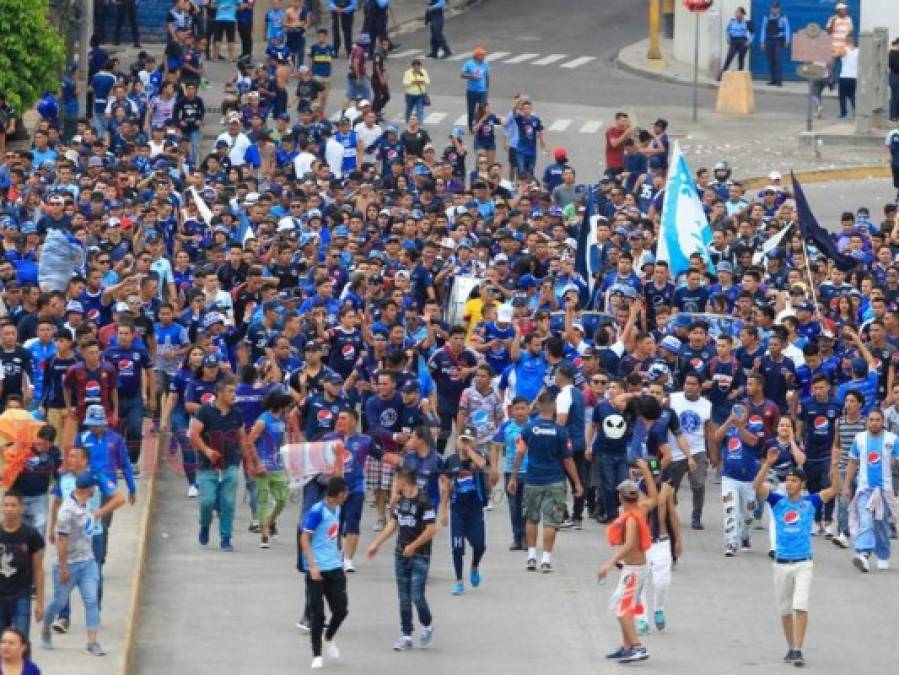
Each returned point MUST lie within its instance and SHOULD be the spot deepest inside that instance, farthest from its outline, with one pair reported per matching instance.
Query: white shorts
(792, 586)
(625, 601)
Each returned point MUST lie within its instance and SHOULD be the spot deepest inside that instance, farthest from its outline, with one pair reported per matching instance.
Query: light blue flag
(684, 229)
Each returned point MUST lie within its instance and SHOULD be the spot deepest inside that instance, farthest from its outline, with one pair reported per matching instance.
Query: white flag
(205, 212)
(770, 245)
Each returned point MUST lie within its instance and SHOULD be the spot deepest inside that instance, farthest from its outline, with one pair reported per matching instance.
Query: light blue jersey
(323, 524)
(793, 523)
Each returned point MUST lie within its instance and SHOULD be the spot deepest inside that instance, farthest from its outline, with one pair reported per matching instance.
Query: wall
(881, 13)
(712, 48)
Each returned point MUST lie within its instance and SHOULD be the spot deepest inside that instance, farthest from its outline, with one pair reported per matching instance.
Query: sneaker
(516, 546)
(204, 535)
(659, 618)
(135, 471)
(192, 492)
(263, 542)
(567, 524)
(331, 650)
(861, 563)
(772, 554)
(642, 626)
(696, 523)
(841, 540)
(489, 506)
(746, 545)
(883, 564)
(379, 526)
(578, 524)
(830, 530)
(273, 531)
(46, 640)
(458, 588)
(475, 577)
(730, 551)
(427, 634)
(798, 659)
(790, 655)
(94, 649)
(546, 567)
(617, 654)
(317, 663)
(254, 527)
(348, 566)
(635, 653)
(60, 626)
(303, 625)
(226, 545)
(404, 644)
(820, 529)
(532, 564)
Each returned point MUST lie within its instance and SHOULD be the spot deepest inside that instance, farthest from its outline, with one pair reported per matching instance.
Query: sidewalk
(122, 592)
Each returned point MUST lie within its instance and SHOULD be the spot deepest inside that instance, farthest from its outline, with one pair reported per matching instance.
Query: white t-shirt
(368, 135)
(302, 163)
(563, 400)
(692, 416)
(849, 64)
(238, 146)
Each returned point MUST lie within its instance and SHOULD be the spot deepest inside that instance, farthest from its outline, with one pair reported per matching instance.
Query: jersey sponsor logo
(348, 352)
(821, 424)
(791, 517)
(874, 458)
(614, 427)
(690, 421)
(333, 529)
(93, 314)
(388, 417)
(756, 423)
(324, 417)
(724, 381)
(734, 445)
(696, 363)
(126, 367)
(92, 389)
(208, 397)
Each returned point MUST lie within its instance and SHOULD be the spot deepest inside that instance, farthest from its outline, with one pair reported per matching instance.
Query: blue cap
(648, 260)
(29, 228)
(458, 132)
(471, 204)
(724, 266)
(341, 231)
(421, 170)
(270, 306)
(211, 360)
(85, 480)
(213, 318)
(392, 129)
(409, 245)
(775, 254)
(313, 213)
(95, 416)
(671, 344)
(527, 281)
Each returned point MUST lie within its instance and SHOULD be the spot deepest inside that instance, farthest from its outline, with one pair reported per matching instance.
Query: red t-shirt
(615, 156)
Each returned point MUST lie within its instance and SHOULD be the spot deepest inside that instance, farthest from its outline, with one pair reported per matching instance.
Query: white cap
(571, 243)
(775, 175)
(448, 242)
(286, 223)
(842, 5)
(251, 198)
(504, 314)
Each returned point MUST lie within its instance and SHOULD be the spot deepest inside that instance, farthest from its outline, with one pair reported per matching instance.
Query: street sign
(811, 44)
(698, 6)
(811, 71)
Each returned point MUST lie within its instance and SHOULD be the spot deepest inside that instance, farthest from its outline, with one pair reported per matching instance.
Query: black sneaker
(798, 659)
(516, 546)
(790, 655)
(532, 564)
(546, 567)
(746, 544)
(635, 653)
(618, 653)
(696, 523)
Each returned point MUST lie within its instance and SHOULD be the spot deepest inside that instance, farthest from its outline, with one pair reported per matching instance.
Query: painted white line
(461, 120)
(460, 56)
(405, 53)
(435, 117)
(578, 62)
(521, 58)
(590, 127)
(560, 125)
(546, 60)
(496, 56)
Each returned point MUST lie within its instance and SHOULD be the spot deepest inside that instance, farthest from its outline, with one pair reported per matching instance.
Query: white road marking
(405, 53)
(559, 125)
(546, 60)
(590, 127)
(521, 58)
(435, 117)
(578, 62)
(460, 56)
(461, 120)
(496, 56)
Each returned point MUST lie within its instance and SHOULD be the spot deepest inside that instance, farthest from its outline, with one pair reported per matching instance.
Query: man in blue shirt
(477, 73)
(321, 560)
(774, 37)
(530, 131)
(505, 442)
(549, 458)
(793, 514)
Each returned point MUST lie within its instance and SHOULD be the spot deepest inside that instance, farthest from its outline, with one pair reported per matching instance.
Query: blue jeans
(86, 576)
(195, 137)
(415, 104)
(35, 511)
(525, 164)
(843, 507)
(98, 543)
(873, 535)
(516, 508)
(613, 468)
(218, 488)
(252, 492)
(131, 414)
(16, 612)
(474, 99)
(411, 578)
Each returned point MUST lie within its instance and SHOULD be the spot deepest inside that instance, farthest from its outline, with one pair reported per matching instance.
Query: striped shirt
(848, 431)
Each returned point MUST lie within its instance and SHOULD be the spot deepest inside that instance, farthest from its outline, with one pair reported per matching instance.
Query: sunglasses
(598, 381)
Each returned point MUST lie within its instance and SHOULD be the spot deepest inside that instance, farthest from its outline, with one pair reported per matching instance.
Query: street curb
(143, 548)
(418, 23)
(826, 175)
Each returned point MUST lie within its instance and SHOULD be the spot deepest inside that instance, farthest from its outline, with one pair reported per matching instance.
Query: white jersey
(692, 416)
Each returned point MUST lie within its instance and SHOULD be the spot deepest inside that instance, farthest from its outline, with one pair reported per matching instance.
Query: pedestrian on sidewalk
(23, 567)
(793, 515)
(848, 77)
(505, 442)
(414, 518)
(840, 27)
(267, 435)
(123, 9)
(434, 20)
(738, 466)
(321, 560)
(739, 37)
(476, 72)
(380, 86)
(774, 38)
(342, 13)
(415, 83)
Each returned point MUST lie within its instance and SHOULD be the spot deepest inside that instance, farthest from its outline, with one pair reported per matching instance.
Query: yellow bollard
(654, 53)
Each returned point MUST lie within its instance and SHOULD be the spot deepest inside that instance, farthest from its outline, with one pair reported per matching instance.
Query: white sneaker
(427, 634)
(404, 644)
(192, 492)
(861, 562)
(331, 650)
(830, 530)
(841, 540)
(317, 663)
(489, 506)
(883, 564)
(348, 565)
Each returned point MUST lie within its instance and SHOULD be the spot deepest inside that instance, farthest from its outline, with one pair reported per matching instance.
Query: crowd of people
(428, 319)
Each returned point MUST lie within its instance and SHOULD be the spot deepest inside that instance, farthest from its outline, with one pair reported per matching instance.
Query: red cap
(560, 154)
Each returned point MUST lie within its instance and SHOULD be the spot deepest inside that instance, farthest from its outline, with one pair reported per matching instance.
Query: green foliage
(32, 53)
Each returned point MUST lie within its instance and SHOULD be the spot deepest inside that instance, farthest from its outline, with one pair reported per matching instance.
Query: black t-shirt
(16, 570)
(413, 515)
(16, 362)
(221, 433)
(414, 142)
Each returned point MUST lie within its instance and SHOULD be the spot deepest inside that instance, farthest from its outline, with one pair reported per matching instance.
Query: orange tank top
(615, 531)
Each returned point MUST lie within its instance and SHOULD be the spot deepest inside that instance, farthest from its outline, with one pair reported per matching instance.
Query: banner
(302, 461)
(463, 285)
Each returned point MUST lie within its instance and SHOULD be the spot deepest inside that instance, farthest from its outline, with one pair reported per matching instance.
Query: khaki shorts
(625, 601)
(547, 501)
(792, 585)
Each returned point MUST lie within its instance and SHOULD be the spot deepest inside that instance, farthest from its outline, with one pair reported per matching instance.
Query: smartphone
(740, 411)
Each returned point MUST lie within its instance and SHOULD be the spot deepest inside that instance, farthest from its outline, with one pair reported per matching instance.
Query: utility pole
(654, 53)
(84, 45)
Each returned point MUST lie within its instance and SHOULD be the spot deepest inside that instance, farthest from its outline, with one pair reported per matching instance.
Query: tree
(32, 54)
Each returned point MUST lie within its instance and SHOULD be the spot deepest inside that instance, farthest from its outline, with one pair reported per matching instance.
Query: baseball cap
(211, 360)
(95, 416)
(628, 487)
(86, 479)
(671, 344)
(332, 378)
(63, 334)
(409, 388)
(270, 306)
(121, 307)
(468, 433)
(775, 175)
(724, 266)
(74, 306)
(560, 154)
(313, 346)
(213, 318)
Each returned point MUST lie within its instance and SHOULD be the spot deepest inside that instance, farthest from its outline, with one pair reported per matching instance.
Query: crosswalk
(500, 58)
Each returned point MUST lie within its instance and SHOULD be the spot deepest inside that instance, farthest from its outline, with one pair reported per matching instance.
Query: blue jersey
(820, 424)
(868, 388)
(530, 371)
(779, 377)
(507, 435)
(40, 355)
(792, 523)
(870, 474)
(323, 525)
(738, 457)
(268, 445)
(498, 357)
(612, 433)
(687, 300)
(130, 363)
(358, 447)
(108, 455)
(548, 445)
(529, 128)
(480, 74)
(321, 57)
(94, 309)
(320, 415)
